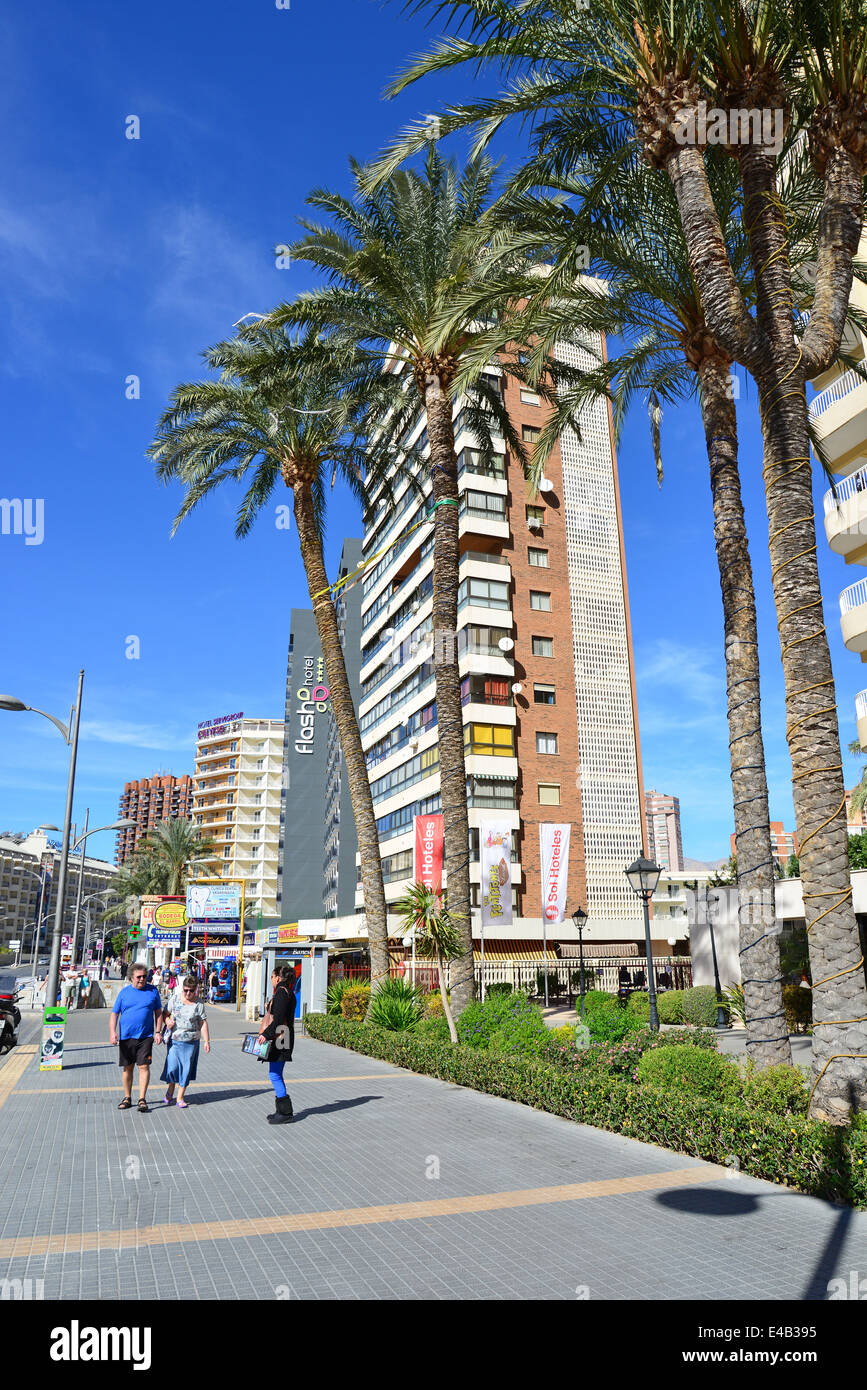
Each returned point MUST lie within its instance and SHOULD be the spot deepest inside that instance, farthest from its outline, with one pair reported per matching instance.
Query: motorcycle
(10, 1018)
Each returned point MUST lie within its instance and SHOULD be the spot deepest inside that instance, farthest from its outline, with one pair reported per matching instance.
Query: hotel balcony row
(839, 417)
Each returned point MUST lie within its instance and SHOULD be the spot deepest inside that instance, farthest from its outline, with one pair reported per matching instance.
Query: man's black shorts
(134, 1052)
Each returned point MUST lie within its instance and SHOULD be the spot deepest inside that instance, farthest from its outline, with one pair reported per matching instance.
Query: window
(230, 798)
(489, 593)
(535, 516)
(540, 601)
(544, 695)
(543, 646)
(227, 852)
(549, 793)
(530, 433)
(257, 798)
(539, 558)
(257, 815)
(529, 397)
(227, 835)
(483, 502)
(256, 834)
(490, 740)
(546, 743)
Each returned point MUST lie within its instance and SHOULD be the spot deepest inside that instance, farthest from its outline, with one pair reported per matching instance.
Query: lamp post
(70, 736)
(579, 917)
(643, 876)
(124, 824)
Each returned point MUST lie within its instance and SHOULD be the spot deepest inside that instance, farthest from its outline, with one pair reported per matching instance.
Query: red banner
(428, 866)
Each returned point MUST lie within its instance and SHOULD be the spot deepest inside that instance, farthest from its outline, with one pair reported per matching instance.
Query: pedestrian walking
(67, 989)
(278, 1028)
(185, 1023)
(134, 1027)
(213, 981)
(84, 991)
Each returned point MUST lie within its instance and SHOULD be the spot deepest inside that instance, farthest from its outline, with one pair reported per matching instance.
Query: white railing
(854, 596)
(835, 392)
(861, 705)
(847, 487)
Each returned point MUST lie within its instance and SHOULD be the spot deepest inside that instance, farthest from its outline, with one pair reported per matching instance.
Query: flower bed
(805, 1154)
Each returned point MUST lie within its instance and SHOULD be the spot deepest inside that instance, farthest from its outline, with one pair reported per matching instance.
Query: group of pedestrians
(142, 1019)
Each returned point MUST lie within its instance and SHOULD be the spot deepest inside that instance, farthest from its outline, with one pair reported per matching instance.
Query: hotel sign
(210, 728)
(312, 696)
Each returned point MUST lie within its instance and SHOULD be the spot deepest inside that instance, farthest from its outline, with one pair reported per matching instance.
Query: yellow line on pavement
(196, 1231)
(13, 1070)
(204, 1086)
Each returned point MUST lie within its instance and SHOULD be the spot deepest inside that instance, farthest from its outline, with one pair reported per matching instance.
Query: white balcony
(839, 416)
(853, 617)
(861, 718)
(846, 517)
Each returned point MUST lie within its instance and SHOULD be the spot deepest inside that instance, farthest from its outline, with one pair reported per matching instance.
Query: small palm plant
(437, 937)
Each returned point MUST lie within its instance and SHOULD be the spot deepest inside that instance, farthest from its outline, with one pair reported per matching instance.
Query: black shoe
(284, 1112)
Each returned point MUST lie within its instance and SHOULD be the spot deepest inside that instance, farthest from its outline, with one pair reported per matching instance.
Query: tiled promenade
(386, 1185)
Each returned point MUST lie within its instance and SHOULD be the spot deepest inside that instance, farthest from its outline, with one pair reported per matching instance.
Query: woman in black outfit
(279, 1030)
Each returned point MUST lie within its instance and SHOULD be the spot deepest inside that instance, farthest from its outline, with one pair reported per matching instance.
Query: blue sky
(128, 257)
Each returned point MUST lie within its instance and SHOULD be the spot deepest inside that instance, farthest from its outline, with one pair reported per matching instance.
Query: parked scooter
(10, 1014)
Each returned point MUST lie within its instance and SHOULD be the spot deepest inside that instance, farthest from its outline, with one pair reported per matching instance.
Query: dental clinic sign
(312, 697)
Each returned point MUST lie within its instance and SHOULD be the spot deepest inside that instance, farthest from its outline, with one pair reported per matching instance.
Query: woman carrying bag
(278, 1028)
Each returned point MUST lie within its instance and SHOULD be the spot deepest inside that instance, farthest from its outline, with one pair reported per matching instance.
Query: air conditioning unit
(534, 523)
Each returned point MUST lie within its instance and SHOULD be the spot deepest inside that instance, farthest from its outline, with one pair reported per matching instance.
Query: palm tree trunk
(310, 539)
(444, 994)
(767, 1035)
(450, 723)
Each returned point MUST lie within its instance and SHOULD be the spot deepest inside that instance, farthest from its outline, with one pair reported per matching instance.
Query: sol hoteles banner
(429, 851)
(554, 845)
(495, 857)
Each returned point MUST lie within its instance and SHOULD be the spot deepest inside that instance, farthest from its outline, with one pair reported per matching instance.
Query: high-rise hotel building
(147, 801)
(544, 643)
(237, 802)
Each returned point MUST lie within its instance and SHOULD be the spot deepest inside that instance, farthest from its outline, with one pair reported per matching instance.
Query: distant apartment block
(663, 830)
(856, 820)
(784, 843)
(151, 799)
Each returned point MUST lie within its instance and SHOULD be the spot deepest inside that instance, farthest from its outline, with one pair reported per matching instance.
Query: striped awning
(520, 951)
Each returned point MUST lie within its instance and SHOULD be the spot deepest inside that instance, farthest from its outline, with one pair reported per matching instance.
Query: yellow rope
(838, 976)
(812, 833)
(827, 894)
(860, 1056)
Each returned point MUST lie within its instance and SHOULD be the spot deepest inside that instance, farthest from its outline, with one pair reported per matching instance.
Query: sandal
(126, 1104)
(142, 1107)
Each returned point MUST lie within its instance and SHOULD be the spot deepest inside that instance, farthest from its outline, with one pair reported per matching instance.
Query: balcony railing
(838, 389)
(861, 705)
(846, 488)
(854, 596)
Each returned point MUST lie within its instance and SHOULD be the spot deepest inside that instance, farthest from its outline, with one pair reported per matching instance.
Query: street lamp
(643, 876)
(125, 824)
(579, 917)
(70, 735)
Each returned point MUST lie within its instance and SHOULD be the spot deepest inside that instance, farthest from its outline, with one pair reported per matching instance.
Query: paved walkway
(387, 1185)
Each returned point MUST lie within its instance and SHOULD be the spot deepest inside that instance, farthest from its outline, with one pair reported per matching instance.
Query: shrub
(798, 1004)
(335, 993)
(501, 987)
(553, 982)
(639, 1004)
(699, 1006)
(597, 999)
(691, 1071)
(565, 1034)
(670, 1006)
(396, 1005)
(511, 1019)
(354, 1001)
(690, 1037)
(805, 1154)
(737, 1004)
(777, 1090)
(433, 1030)
(433, 1005)
(611, 1023)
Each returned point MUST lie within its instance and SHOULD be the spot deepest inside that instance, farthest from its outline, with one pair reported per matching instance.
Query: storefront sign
(495, 844)
(53, 1035)
(158, 937)
(554, 844)
(288, 932)
(170, 916)
(200, 939)
(213, 902)
(428, 857)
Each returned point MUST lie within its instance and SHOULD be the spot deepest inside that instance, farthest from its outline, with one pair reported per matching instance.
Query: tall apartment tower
(544, 648)
(236, 802)
(663, 830)
(317, 864)
(838, 414)
(151, 799)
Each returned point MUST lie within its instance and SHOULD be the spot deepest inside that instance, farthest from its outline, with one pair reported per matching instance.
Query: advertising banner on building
(495, 846)
(213, 902)
(428, 847)
(554, 846)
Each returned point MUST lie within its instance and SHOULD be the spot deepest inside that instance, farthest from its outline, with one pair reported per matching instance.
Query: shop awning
(526, 951)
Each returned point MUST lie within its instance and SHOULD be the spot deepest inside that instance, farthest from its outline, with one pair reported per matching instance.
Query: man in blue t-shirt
(135, 1025)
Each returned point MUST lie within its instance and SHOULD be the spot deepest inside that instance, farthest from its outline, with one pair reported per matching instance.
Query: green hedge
(805, 1154)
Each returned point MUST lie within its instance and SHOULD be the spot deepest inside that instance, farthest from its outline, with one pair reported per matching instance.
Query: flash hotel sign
(312, 696)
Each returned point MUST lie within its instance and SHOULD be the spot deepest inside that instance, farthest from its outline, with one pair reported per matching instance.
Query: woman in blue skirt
(186, 1021)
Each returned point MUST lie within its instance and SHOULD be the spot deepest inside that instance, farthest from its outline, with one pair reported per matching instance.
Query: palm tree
(397, 258)
(172, 844)
(632, 225)
(437, 935)
(279, 411)
(645, 67)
